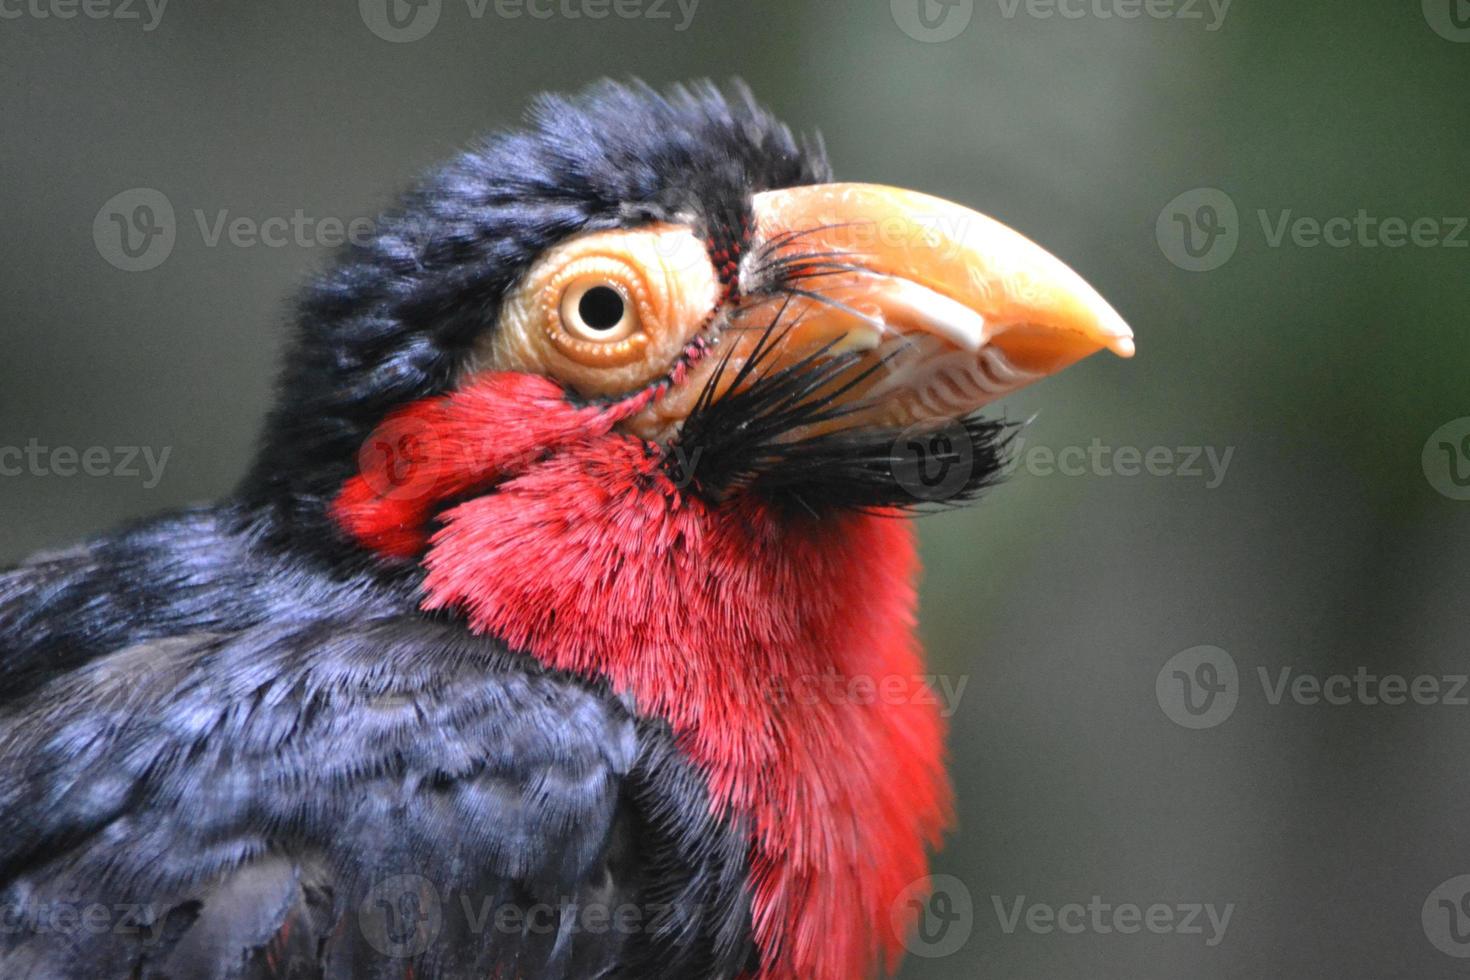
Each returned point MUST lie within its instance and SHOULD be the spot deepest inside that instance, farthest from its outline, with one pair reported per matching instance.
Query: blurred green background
(1326, 546)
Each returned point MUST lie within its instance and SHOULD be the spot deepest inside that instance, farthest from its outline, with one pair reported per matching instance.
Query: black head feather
(398, 315)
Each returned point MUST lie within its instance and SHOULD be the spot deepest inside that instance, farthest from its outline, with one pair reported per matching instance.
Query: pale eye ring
(598, 309)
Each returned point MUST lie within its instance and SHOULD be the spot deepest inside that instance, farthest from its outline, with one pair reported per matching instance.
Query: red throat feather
(780, 649)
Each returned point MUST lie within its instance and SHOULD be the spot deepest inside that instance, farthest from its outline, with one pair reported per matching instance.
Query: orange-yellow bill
(960, 309)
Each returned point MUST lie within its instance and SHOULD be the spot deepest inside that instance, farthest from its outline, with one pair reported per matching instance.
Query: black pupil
(601, 308)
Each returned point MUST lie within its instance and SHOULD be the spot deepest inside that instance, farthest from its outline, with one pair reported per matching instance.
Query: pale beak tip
(1116, 334)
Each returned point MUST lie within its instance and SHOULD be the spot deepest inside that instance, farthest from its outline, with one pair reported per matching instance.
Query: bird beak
(957, 308)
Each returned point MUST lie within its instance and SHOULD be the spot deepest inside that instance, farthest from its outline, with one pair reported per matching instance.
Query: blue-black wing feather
(327, 783)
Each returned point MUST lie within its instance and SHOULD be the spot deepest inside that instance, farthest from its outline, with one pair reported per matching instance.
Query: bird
(563, 624)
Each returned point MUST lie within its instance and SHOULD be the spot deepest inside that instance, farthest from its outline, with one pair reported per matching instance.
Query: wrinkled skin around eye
(663, 272)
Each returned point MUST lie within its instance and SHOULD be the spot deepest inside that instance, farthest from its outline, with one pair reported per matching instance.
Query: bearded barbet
(563, 626)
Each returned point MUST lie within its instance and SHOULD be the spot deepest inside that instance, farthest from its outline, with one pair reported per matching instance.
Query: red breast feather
(780, 649)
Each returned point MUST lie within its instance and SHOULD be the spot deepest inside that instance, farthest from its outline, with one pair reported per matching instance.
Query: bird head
(673, 277)
(628, 390)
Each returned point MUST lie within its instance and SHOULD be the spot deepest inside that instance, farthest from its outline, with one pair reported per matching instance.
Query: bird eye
(609, 312)
(598, 310)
